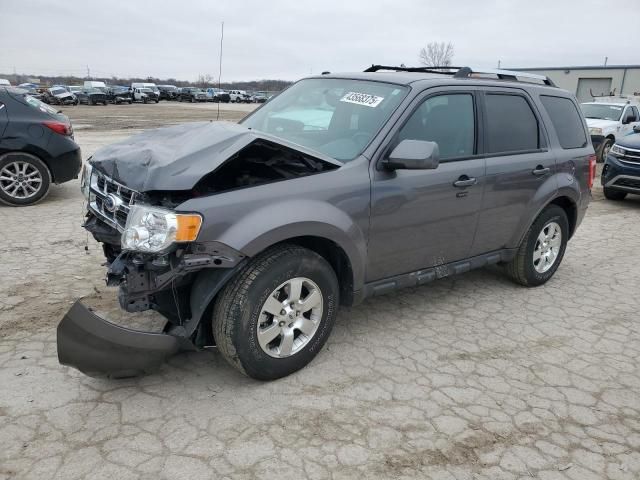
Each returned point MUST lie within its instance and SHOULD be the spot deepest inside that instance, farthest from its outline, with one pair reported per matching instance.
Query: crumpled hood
(601, 123)
(177, 157)
(171, 158)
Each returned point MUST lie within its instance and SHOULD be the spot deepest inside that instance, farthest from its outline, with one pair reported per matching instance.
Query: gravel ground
(469, 378)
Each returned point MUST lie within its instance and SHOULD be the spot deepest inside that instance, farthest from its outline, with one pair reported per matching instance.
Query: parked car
(609, 119)
(168, 92)
(145, 95)
(621, 170)
(59, 96)
(91, 96)
(192, 94)
(89, 84)
(259, 98)
(4, 82)
(119, 94)
(217, 95)
(249, 236)
(75, 89)
(33, 89)
(36, 148)
(238, 96)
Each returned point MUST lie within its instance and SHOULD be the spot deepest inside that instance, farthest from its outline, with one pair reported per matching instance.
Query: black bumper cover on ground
(102, 349)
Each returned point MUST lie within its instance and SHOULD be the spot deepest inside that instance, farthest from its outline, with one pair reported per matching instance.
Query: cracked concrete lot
(470, 377)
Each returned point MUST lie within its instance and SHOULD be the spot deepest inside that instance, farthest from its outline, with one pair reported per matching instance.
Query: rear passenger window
(566, 121)
(448, 120)
(511, 124)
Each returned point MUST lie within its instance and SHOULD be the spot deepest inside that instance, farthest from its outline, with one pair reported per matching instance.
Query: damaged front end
(158, 256)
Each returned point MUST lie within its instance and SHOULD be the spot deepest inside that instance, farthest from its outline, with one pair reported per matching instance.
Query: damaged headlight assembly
(152, 229)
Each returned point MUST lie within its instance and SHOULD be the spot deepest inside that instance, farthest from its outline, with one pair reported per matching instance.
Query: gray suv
(249, 236)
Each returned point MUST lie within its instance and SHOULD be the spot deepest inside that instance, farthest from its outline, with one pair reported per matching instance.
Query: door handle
(540, 170)
(465, 181)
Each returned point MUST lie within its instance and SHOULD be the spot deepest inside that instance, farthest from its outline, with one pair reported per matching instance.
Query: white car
(237, 96)
(609, 119)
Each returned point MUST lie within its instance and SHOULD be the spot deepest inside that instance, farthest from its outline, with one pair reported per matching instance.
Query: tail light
(60, 127)
(592, 171)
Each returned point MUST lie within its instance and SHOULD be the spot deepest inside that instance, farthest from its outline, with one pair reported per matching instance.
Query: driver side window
(448, 120)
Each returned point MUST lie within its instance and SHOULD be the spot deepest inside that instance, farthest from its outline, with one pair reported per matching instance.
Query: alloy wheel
(20, 180)
(547, 247)
(290, 317)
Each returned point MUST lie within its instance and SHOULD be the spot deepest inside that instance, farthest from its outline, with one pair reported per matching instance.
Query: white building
(587, 82)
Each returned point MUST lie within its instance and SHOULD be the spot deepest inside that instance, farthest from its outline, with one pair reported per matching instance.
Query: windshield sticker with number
(362, 99)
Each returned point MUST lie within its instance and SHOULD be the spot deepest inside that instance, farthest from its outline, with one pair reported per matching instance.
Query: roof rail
(402, 68)
(466, 72)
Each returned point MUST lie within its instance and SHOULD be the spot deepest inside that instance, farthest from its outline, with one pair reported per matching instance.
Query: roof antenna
(220, 69)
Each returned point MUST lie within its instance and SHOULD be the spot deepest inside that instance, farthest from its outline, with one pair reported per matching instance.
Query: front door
(426, 218)
(630, 119)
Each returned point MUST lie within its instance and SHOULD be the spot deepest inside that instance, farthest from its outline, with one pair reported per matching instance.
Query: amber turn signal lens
(188, 227)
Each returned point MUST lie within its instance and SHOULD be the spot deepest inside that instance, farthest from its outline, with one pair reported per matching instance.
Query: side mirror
(636, 128)
(414, 155)
(629, 119)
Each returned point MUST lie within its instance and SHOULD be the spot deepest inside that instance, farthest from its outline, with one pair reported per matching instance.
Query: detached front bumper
(99, 348)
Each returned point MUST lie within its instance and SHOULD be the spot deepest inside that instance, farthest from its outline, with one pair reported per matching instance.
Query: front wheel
(542, 249)
(604, 150)
(275, 315)
(611, 194)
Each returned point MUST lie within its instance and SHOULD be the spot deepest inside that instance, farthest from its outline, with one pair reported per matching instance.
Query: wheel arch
(570, 208)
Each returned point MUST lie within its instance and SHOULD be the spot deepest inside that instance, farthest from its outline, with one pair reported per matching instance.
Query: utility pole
(88, 73)
(220, 67)
(606, 59)
(498, 63)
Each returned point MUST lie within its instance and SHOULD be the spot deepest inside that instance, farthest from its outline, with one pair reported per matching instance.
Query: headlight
(152, 229)
(617, 151)
(595, 131)
(85, 181)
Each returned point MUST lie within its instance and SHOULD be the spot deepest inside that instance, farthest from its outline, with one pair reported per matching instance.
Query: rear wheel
(24, 179)
(612, 194)
(542, 249)
(275, 315)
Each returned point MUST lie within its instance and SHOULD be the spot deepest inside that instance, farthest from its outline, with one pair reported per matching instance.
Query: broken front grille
(110, 200)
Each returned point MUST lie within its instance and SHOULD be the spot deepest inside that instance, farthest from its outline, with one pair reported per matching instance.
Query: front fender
(261, 229)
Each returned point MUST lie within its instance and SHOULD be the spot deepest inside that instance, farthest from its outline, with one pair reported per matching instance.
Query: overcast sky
(291, 39)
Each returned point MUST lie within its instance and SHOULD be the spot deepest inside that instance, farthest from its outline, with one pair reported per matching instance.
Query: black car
(59, 96)
(36, 148)
(117, 95)
(92, 96)
(621, 171)
(168, 92)
(193, 94)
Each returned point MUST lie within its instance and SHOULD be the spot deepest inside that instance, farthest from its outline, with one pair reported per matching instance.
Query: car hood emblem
(112, 202)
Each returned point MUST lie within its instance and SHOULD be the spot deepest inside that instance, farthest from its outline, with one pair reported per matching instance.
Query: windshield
(58, 91)
(338, 117)
(601, 111)
(146, 90)
(43, 107)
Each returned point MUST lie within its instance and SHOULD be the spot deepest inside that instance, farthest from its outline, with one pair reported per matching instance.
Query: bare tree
(205, 79)
(436, 54)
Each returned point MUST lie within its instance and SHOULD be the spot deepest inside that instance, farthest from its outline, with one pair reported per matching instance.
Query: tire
(604, 149)
(192, 100)
(34, 164)
(523, 269)
(144, 100)
(130, 102)
(239, 312)
(612, 194)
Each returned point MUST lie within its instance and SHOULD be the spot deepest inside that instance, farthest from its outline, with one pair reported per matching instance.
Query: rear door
(519, 163)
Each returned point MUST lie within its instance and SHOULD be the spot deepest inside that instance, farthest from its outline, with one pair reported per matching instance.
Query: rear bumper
(99, 348)
(66, 166)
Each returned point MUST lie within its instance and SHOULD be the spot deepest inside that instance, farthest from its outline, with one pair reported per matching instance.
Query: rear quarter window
(566, 121)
